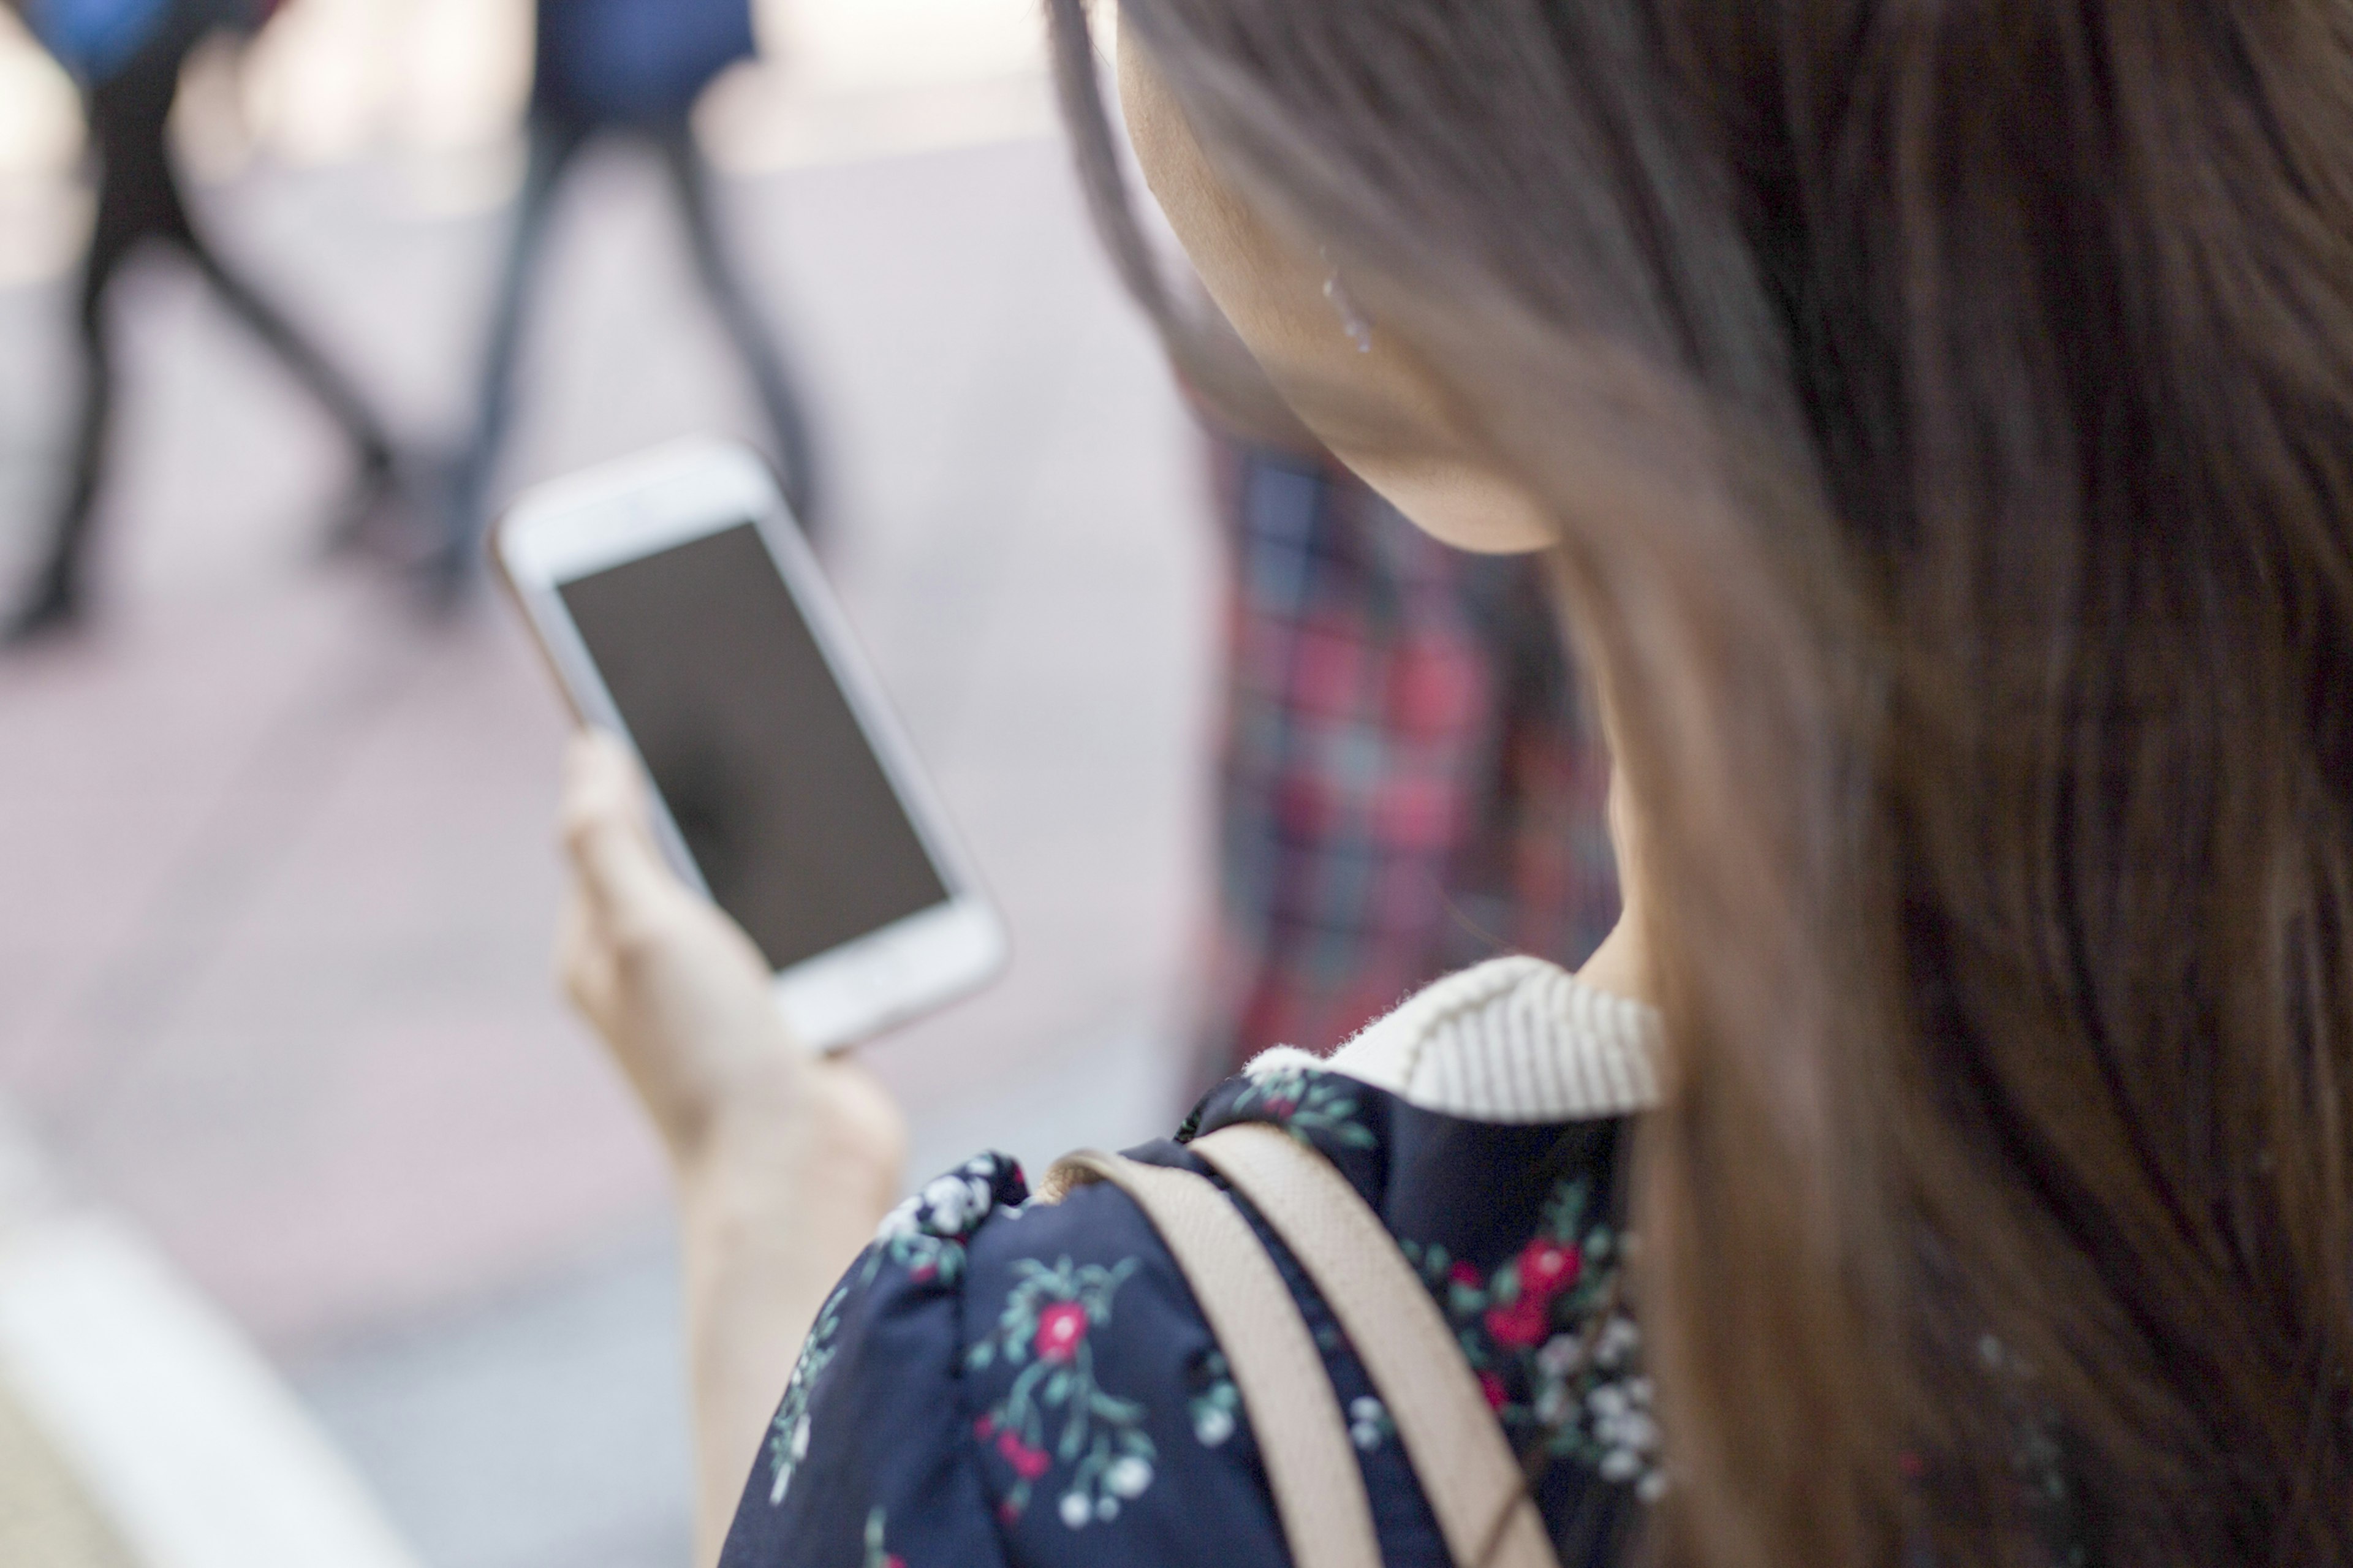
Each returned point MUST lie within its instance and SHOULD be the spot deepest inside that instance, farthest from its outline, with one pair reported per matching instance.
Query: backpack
(1473, 1484)
(636, 60)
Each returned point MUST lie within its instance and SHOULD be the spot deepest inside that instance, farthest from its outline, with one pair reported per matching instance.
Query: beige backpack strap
(1319, 1492)
(1467, 1470)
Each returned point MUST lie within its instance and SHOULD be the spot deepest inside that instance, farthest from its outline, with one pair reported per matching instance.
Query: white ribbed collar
(1514, 1040)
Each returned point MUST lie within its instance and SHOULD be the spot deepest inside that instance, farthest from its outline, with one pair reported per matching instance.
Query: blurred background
(276, 855)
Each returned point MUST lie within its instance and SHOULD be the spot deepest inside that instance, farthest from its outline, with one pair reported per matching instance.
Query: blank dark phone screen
(783, 804)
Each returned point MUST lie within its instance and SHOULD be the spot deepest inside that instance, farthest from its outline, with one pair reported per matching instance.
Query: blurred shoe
(449, 568)
(374, 519)
(447, 578)
(53, 608)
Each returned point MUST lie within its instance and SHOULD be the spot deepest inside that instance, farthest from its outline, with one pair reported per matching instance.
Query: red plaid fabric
(1408, 784)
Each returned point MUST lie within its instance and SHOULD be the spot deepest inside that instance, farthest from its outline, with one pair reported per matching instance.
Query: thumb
(603, 815)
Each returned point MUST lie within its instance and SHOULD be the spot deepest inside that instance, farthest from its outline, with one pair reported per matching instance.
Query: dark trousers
(556, 140)
(139, 199)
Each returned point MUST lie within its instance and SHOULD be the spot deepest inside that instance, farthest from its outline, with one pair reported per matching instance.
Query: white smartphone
(680, 609)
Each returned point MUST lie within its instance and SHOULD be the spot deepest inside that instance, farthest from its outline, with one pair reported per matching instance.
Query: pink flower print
(1521, 1325)
(1280, 1107)
(1060, 1326)
(1493, 1387)
(1028, 1463)
(1547, 1268)
(1464, 1275)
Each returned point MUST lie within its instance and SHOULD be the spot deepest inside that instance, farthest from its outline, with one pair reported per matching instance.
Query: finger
(599, 779)
(597, 755)
(603, 818)
(584, 961)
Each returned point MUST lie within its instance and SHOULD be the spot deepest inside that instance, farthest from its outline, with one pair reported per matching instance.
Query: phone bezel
(691, 490)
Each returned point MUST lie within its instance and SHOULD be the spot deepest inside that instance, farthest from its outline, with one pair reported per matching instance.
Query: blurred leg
(374, 480)
(128, 114)
(54, 597)
(171, 220)
(553, 143)
(297, 352)
(748, 327)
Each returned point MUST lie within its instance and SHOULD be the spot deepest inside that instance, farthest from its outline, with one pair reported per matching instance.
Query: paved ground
(273, 956)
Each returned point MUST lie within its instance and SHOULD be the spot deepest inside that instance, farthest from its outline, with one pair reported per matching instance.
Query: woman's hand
(681, 997)
(785, 1161)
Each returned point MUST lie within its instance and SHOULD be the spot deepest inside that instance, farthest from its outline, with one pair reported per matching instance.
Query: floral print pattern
(975, 1351)
(1215, 1409)
(926, 1233)
(1555, 1352)
(877, 1554)
(1026, 1384)
(926, 1236)
(2039, 1458)
(1312, 1104)
(1057, 1420)
(788, 1433)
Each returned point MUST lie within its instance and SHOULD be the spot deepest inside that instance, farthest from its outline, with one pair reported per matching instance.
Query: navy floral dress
(997, 1381)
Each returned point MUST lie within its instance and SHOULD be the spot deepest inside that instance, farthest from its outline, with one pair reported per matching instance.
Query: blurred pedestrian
(127, 56)
(1408, 782)
(635, 66)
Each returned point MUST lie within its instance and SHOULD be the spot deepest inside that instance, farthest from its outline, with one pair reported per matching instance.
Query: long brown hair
(1947, 406)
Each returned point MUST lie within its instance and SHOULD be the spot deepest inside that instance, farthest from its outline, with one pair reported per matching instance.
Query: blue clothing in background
(635, 66)
(637, 60)
(94, 39)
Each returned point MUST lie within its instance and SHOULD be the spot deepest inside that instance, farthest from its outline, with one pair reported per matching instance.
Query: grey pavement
(273, 956)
